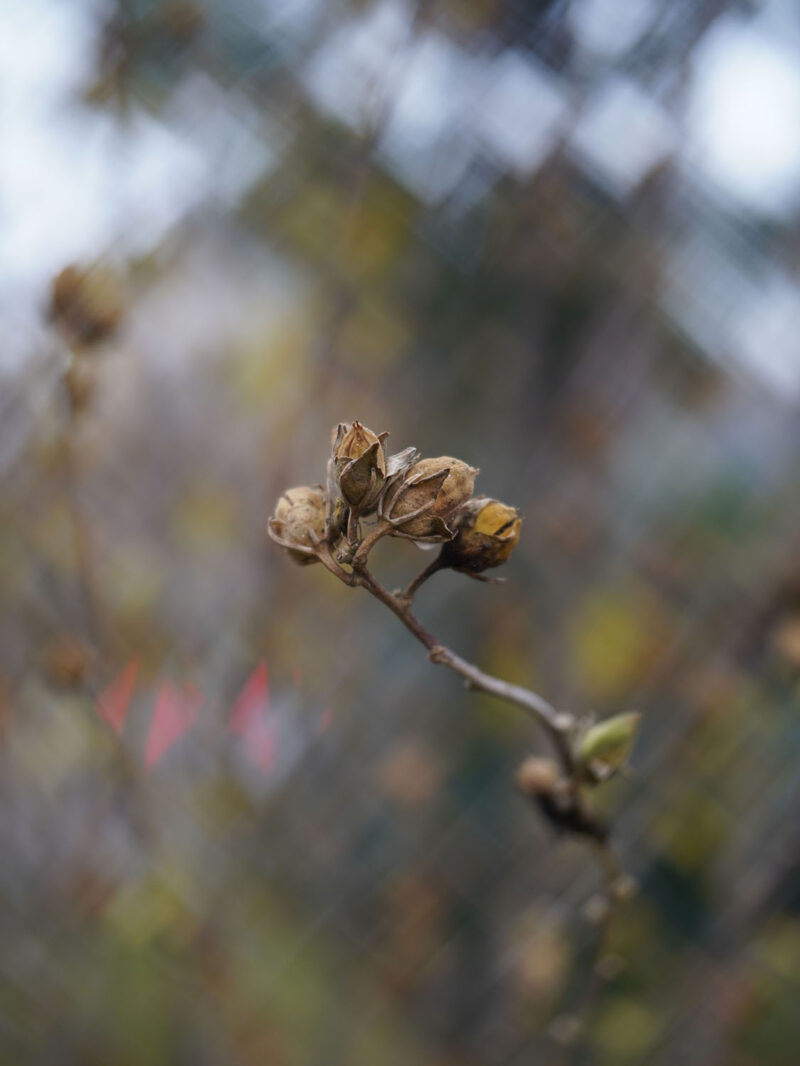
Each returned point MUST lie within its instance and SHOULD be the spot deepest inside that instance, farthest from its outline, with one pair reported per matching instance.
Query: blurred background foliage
(556, 239)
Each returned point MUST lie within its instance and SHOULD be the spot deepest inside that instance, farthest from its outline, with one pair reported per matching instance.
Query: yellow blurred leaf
(617, 635)
(204, 518)
(625, 1030)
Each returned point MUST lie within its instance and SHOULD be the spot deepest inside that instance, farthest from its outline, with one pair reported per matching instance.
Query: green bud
(608, 744)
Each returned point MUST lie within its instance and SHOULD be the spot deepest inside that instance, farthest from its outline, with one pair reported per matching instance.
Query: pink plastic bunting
(113, 702)
(251, 719)
(175, 711)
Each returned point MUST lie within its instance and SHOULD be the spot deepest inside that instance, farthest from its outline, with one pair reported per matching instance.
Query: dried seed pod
(299, 522)
(536, 776)
(556, 797)
(359, 464)
(86, 305)
(67, 660)
(419, 504)
(486, 533)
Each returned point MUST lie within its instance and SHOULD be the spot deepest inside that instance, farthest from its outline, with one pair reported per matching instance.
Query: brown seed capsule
(67, 660)
(429, 494)
(299, 521)
(360, 465)
(486, 533)
(86, 305)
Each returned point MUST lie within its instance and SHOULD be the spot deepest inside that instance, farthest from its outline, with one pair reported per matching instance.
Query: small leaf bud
(605, 747)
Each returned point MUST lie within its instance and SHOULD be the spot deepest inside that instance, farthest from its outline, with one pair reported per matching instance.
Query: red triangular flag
(250, 719)
(113, 702)
(175, 710)
(252, 703)
(261, 744)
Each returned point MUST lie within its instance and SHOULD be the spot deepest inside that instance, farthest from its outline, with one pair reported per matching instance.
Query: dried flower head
(299, 522)
(360, 465)
(420, 503)
(487, 532)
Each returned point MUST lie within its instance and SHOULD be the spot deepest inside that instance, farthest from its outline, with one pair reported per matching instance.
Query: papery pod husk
(300, 512)
(608, 744)
(351, 440)
(446, 483)
(359, 465)
(400, 462)
(487, 531)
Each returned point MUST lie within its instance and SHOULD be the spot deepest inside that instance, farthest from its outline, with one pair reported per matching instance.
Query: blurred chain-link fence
(556, 239)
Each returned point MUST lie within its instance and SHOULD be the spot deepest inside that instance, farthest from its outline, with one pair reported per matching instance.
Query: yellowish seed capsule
(487, 531)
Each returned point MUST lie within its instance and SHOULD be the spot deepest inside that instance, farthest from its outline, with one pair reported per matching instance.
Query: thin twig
(432, 568)
(382, 528)
(555, 724)
(97, 631)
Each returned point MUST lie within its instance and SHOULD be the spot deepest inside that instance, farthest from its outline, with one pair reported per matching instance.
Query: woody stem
(324, 555)
(80, 529)
(352, 528)
(365, 547)
(556, 725)
(431, 569)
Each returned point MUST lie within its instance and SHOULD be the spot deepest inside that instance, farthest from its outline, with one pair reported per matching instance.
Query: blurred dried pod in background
(541, 781)
(86, 305)
(66, 660)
